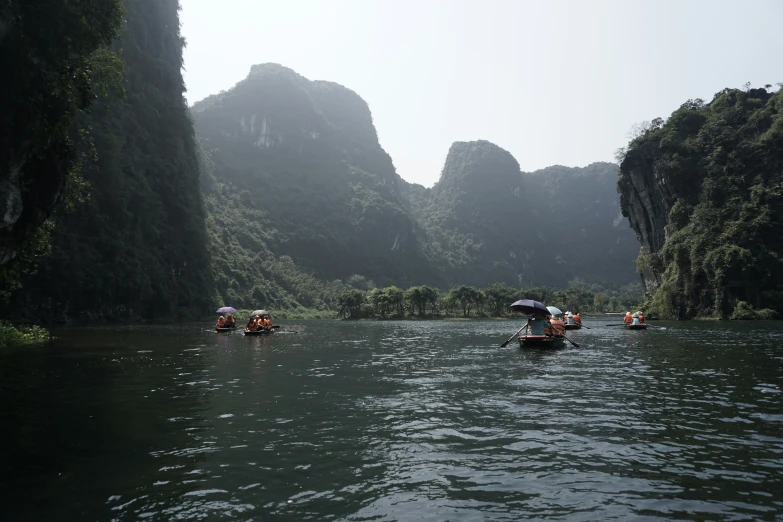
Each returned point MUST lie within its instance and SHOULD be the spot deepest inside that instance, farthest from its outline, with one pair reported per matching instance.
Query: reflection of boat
(540, 341)
(225, 329)
(573, 326)
(259, 332)
(636, 326)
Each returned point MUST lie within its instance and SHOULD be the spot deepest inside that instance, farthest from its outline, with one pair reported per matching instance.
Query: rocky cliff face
(307, 155)
(138, 247)
(646, 200)
(46, 51)
(702, 193)
(488, 222)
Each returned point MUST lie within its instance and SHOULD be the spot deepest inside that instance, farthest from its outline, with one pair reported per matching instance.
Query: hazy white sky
(553, 82)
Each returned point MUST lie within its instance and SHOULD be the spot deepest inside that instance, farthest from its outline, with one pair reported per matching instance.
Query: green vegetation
(711, 238)
(137, 247)
(21, 335)
(744, 311)
(493, 301)
(55, 63)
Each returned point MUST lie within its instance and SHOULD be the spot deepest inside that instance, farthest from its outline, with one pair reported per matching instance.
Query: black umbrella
(530, 307)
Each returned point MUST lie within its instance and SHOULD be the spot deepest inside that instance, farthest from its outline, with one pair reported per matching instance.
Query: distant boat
(259, 332)
(225, 328)
(636, 326)
(575, 326)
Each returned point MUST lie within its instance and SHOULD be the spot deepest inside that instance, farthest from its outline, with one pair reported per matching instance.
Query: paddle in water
(570, 341)
(517, 333)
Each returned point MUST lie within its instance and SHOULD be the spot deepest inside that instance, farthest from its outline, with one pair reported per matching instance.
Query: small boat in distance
(260, 323)
(225, 328)
(227, 323)
(642, 326)
(259, 332)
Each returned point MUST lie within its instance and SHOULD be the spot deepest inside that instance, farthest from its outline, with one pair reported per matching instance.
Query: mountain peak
(261, 69)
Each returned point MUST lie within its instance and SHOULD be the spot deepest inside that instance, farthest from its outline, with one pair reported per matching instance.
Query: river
(394, 421)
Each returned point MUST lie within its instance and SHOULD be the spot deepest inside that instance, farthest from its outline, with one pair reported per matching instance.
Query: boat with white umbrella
(262, 316)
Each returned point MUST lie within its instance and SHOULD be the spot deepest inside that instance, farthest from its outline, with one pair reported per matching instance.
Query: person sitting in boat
(628, 319)
(251, 325)
(230, 321)
(641, 318)
(267, 322)
(635, 319)
(570, 318)
(537, 325)
(221, 322)
(577, 319)
(558, 328)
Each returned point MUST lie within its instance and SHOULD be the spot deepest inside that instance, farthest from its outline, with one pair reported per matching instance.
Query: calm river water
(394, 421)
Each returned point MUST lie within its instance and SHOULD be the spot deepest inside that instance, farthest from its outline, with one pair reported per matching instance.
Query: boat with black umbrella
(538, 332)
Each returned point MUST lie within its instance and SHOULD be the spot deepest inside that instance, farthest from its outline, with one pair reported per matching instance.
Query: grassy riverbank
(21, 335)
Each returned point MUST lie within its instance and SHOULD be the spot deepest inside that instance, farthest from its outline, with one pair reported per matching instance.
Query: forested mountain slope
(300, 163)
(488, 222)
(704, 193)
(137, 248)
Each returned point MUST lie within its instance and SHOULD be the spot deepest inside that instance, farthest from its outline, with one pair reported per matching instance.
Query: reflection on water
(395, 421)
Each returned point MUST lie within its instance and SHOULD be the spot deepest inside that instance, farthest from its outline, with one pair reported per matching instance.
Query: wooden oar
(585, 326)
(562, 332)
(517, 333)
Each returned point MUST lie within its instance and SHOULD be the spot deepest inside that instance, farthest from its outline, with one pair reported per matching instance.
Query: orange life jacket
(221, 322)
(628, 318)
(558, 328)
(578, 319)
(641, 319)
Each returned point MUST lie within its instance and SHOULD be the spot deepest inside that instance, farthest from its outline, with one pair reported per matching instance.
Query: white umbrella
(554, 310)
(259, 312)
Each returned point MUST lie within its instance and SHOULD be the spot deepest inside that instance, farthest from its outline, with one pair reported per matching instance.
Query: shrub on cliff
(744, 311)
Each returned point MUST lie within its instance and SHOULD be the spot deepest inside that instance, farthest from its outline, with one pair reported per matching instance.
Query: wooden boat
(225, 329)
(259, 332)
(636, 326)
(574, 326)
(540, 341)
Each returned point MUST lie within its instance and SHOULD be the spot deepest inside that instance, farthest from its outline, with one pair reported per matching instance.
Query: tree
(350, 303)
(499, 297)
(600, 302)
(55, 59)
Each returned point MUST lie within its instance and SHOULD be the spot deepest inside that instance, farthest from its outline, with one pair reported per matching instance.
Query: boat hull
(573, 326)
(231, 329)
(540, 341)
(259, 332)
(636, 326)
